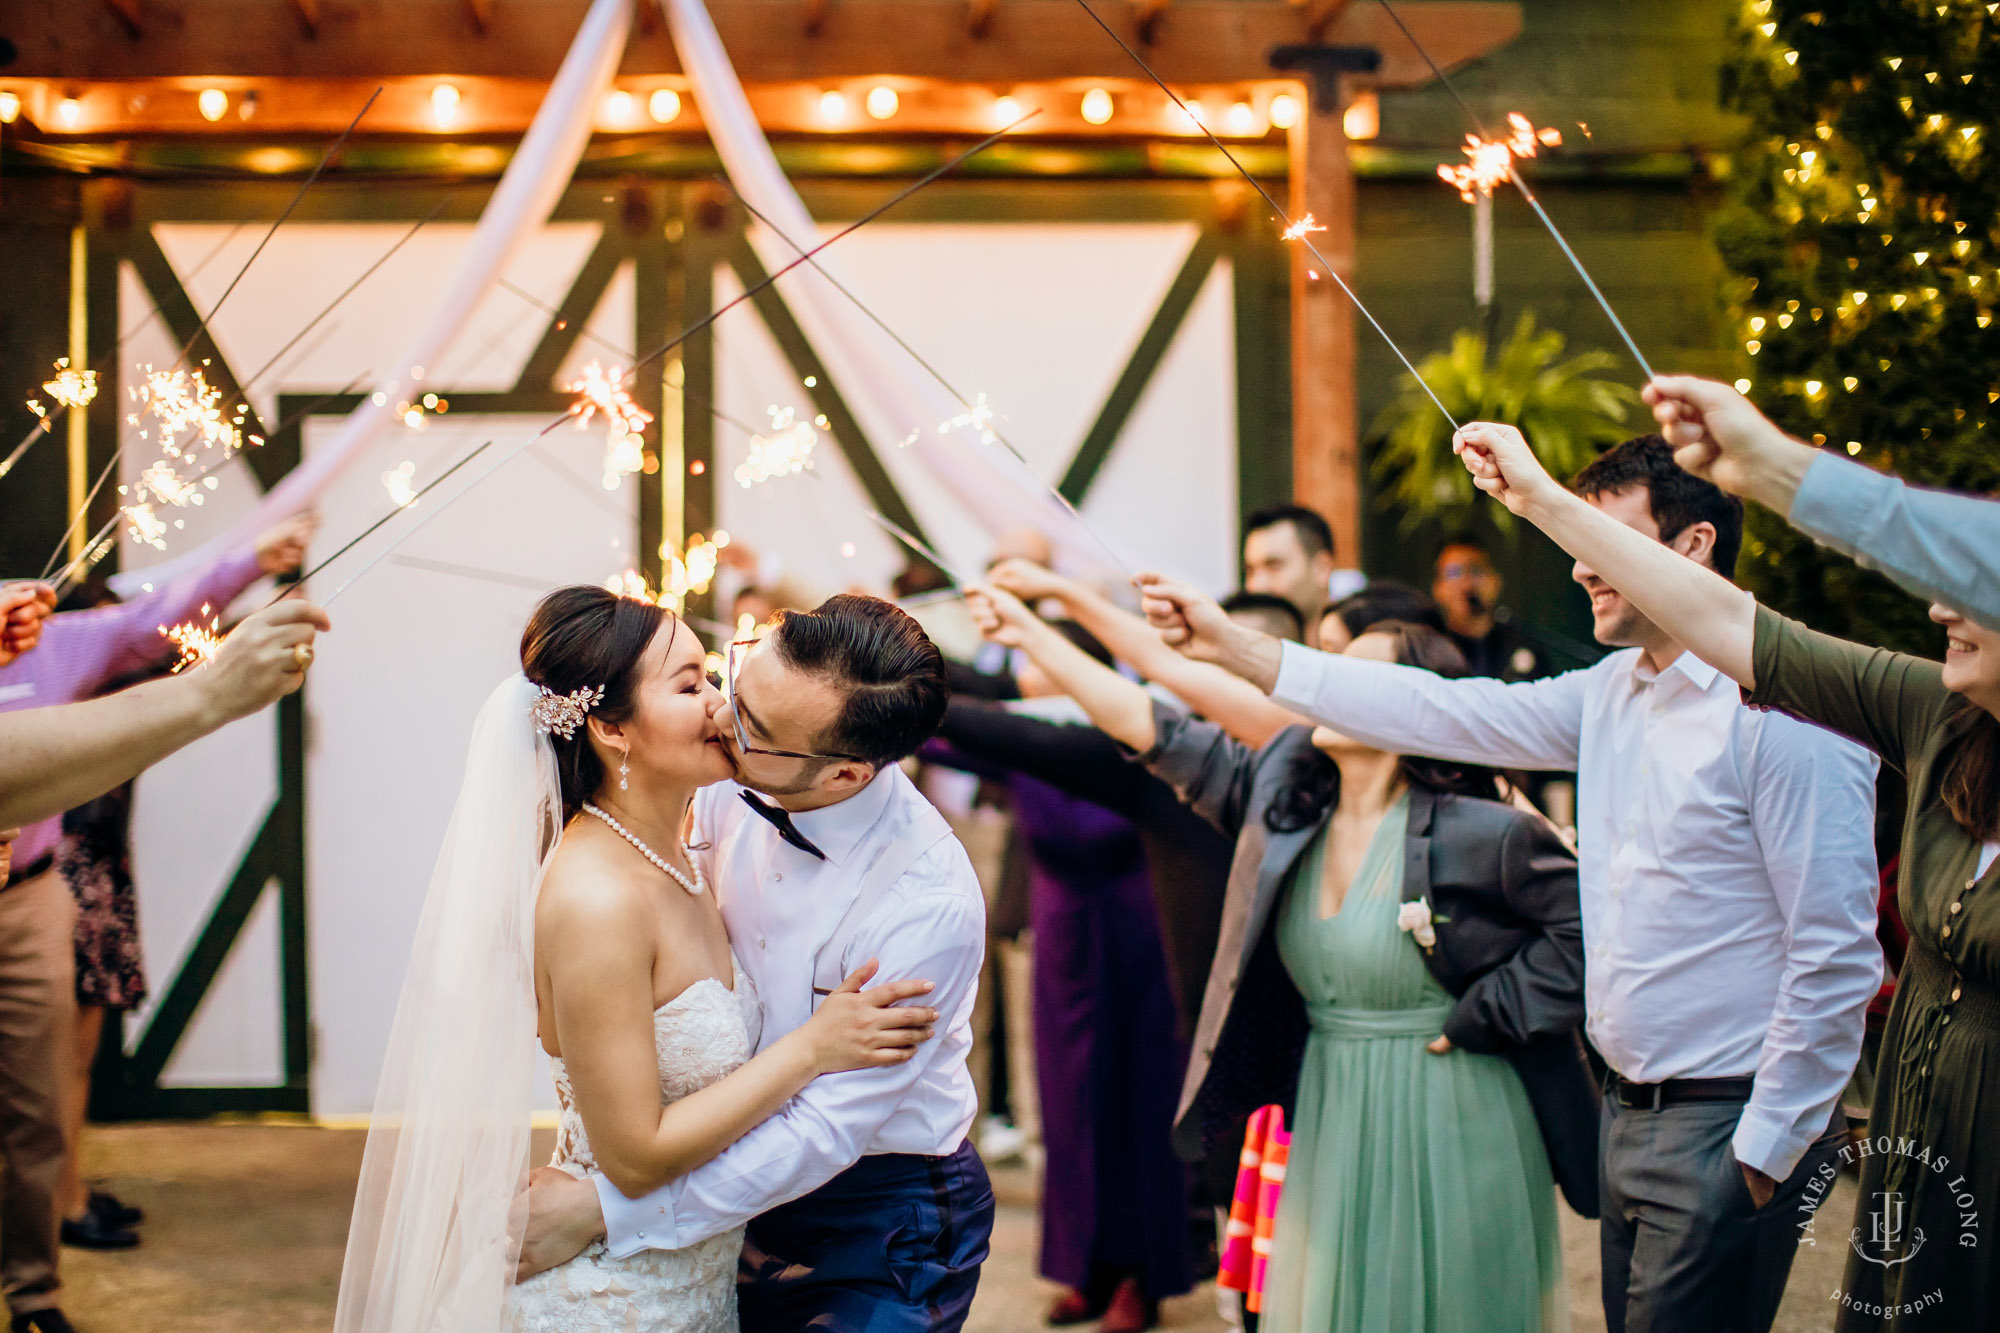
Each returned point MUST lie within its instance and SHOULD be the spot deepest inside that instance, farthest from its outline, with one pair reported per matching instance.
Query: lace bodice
(700, 1035)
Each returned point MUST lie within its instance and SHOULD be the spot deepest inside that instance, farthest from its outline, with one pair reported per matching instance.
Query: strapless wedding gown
(701, 1035)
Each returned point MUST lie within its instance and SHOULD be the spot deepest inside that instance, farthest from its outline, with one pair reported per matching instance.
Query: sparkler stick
(654, 355)
(902, 534)
(1258, 186)
(1561, 241)
(43, 426)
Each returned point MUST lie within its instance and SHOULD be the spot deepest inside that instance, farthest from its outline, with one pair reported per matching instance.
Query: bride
(566, 906)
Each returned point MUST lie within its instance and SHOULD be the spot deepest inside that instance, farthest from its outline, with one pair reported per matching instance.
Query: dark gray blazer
(1503, 889)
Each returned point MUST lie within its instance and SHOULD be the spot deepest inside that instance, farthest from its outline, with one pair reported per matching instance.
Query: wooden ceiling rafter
(127, 14)
(1319, 15)
(308, 12)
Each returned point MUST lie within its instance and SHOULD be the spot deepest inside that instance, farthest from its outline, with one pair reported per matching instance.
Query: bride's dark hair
(579, 638)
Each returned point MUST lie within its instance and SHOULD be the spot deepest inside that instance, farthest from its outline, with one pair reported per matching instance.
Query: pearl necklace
(693, 887)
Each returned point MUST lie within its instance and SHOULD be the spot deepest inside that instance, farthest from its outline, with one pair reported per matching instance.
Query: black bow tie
(781, 820)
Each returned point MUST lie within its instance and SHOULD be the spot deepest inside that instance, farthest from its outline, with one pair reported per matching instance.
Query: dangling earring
(624, 770)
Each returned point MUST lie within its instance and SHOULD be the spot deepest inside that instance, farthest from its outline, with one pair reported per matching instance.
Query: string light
(664, 106)
(882, 101)
(1097, 106)
(1284, 111)
(444, 105)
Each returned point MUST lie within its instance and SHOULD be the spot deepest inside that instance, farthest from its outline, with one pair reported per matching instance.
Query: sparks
(689, 571)
(71, 388)
(785, 452)
(978, 418)
(198, 645)
(602, 390)
(1298, 230)
(1491, 161)
(397, 482)
(146, 526)
(182, 413)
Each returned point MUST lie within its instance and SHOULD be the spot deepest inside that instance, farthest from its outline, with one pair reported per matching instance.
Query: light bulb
(1097, 107)
(1240, 120)
(620, 107)
(444, 104)
(664, 105)
(213, 103)
(882, 101)
(1006, 111)
(1195, 113)
(10, 107)
(69, 111)
(1284, 111)
(833, 106)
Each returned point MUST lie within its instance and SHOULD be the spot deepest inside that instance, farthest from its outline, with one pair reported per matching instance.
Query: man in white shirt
(1728, 890)
(866, 1206)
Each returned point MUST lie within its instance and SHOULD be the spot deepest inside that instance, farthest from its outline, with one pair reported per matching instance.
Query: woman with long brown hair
(1929, 1161)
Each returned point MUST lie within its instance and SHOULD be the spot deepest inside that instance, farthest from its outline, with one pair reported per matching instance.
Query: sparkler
(785, 452)
(603, 391)
(198, 644)
(748, 293)
(70, 388)
(1298, 230)
(1258, 186)
(1491, 161)
(1514, 175)
(397, 483)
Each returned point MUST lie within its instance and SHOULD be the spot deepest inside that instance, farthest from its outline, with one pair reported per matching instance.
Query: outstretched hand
(23, 608)
(1502, 465)
(1718, 435)
(1027, 580)
(257, 664)
(1001, 616)
(1188, 619)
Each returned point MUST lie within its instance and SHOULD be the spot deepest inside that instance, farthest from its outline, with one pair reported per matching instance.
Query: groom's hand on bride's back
(563, 1218)
(869, 1029)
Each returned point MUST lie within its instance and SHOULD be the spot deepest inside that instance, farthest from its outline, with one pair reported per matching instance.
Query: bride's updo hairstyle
(579, 638)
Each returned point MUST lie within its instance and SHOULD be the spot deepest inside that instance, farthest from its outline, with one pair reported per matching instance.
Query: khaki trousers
(37, 1037)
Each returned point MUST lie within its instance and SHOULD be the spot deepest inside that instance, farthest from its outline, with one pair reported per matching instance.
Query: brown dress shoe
(1129, 1312)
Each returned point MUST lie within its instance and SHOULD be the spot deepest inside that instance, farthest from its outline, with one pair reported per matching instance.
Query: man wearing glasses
(866, 1206)
(1466, 587)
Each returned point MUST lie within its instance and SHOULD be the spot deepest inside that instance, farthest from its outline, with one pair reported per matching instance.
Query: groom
(867, 1208)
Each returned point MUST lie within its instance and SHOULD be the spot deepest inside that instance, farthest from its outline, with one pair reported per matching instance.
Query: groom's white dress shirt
(1726, 863)
(781, 905)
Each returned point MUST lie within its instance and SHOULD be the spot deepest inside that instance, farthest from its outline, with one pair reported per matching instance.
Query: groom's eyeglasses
(737, 650)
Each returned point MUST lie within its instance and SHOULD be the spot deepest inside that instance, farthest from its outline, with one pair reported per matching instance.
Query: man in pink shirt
(79, 653)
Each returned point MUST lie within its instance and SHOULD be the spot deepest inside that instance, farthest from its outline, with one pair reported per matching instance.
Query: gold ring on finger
(302, 655)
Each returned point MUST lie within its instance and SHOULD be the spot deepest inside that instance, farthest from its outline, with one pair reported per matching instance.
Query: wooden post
(1326, 446)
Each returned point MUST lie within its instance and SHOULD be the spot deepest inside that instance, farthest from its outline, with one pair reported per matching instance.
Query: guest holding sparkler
(80, 652)
(1728, 888)
(1940, 546)
(1940, 725)
(23, 608)
(1108, 1059)
(1419, 1194)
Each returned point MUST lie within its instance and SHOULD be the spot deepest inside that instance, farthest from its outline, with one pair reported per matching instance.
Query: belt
(1332, 1020)
(39, 866)
(1678, 1091)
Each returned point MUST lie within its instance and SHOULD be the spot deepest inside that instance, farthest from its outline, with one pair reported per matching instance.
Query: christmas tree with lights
(1862, 240)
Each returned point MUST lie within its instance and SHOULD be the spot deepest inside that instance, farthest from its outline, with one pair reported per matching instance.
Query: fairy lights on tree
(1864, 264)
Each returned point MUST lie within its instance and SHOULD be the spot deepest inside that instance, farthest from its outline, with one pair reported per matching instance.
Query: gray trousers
(1685, 1250)
(37, 1063)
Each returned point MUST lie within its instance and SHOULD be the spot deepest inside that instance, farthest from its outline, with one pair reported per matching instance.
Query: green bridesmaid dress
(1418, 1197)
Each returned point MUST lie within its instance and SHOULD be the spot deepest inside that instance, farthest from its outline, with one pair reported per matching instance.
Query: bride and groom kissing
(742, 1124)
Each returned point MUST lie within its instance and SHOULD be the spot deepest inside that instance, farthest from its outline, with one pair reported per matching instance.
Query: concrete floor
(246, 1223)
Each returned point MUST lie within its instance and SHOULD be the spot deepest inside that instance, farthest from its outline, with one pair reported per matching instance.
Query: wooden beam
(1146, 15)
(1319, 14)
(308, 12)
(125, 11)
(979, 17)
(482, 14)
(1326, 449)
(1025, 41)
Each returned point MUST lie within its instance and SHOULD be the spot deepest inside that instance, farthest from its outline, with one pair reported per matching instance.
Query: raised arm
(53, 759)
(1940, 546)
(23, 608)
(597, 944)
(1121, 707)
(1698, 608)
(1218, 695)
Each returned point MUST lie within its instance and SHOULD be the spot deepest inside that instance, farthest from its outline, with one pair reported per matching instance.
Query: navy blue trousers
(893, 1244)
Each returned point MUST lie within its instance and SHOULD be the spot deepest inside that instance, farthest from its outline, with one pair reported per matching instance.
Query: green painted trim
(565, 327)
(806, 365)
(1260, 269)
(1146, 357)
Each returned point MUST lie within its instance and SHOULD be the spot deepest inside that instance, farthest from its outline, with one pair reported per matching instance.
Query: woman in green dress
(1401, 966)
(1920, 1256)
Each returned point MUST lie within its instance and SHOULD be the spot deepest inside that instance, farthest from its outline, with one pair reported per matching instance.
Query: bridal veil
(430, 1249)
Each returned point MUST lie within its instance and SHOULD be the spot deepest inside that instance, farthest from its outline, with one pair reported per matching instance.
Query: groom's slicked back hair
(580, 638)
(889, 673)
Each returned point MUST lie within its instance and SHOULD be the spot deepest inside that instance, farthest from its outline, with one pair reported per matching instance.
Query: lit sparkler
(146, 526)
(1491, 161)
(977, 418)
(602, 390)
(70, 387)
(1299, 229)
(785, 452)
(397, 483)
(182, 413)
(198, 645)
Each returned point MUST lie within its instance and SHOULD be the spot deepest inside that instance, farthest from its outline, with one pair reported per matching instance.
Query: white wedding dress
(701, 1035)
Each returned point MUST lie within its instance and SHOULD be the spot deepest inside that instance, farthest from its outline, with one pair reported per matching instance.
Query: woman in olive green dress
(1919, 1252)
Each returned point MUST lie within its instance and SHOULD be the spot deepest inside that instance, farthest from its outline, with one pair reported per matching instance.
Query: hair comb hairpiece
(564, 713)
